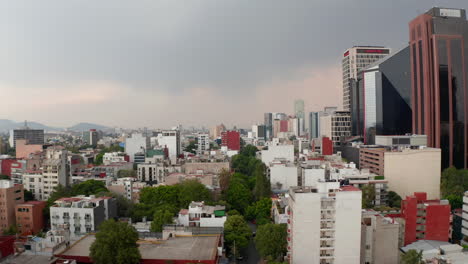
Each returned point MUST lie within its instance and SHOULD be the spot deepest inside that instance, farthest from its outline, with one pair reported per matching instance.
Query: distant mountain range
(7, 125)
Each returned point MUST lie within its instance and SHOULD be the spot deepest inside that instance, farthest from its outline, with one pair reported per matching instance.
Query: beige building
(379, 239)
(414, 170)
(215, 132)
(10, 195)
(205, 167)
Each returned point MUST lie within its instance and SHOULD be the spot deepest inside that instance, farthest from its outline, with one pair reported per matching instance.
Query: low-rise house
(200, 215)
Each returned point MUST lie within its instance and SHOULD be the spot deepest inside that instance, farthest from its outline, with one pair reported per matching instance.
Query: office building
(268, 123)
(215, 132)
(170, 139)
(324, 224)
(424, 219)
(91, 137)
(407, 170)
(300, 115)
(282, 175)
(380, 239)
(335, 125)
(258, 131)
(231, 140)
(203, 143)
(135, 144)
(10, 195)
(29, 217)
(200, 215)
(33, 136)
(354, 60)
(314, 125)
(439, 61)
(82, 214)
(381, 98)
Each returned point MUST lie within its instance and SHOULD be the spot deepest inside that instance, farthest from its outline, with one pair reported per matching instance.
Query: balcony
(327, 227)
(327, 245)
(194, 219)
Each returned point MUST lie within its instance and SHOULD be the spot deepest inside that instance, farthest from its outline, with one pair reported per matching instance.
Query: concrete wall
(280, 151)
(205, 167)
(412, 171)
(23, 149)
(310, 177)
(284, 176)
(348, 227)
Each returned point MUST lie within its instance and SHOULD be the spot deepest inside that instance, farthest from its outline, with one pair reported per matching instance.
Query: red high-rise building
(425, 219)
(231, 140)
(439, 81)
(284, 126)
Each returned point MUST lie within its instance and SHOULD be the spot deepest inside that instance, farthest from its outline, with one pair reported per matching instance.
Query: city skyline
(142, 65)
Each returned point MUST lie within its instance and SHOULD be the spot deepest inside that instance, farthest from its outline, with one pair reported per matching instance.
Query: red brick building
(231, 140)
(10, 195)
(6, 246)
(425, 219)
(29, 217)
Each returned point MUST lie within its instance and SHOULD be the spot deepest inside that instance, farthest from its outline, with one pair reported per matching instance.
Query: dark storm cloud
(173, 46)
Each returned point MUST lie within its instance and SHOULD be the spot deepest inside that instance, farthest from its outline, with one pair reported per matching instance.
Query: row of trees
(453, 185)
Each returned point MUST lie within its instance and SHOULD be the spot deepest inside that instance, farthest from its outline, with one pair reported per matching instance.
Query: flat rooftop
(179, 248)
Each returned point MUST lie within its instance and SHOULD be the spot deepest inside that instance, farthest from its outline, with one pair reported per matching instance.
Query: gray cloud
(170, 47)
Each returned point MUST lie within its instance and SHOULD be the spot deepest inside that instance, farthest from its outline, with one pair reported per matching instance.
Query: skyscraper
(268, 122)
(33, 136)
(381, 98)
(354, 60)
(299, 112)
(314, 124)
(439, 61)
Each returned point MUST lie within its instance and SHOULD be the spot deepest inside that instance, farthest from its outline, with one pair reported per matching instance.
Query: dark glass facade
(439, 49)
(381, 98)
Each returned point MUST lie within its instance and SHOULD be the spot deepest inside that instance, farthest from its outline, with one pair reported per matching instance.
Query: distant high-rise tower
(268, 123)
(354, 60)
(439, 72)
(299, 112)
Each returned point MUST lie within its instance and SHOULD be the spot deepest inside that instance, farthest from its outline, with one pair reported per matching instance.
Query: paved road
(250, 254)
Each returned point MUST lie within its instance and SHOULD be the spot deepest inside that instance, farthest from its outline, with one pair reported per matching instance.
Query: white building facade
(200, 215)
(325, 224)
(136, 144)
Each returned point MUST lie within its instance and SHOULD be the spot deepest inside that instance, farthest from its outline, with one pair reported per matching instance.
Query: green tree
(238, 195)
(161, 195)
(160, 218)
(393, 199)
(28, 196)
(192, 190)
(453, 182)
(11, 230)
(368, 196)
(89, 187)
(236, 233)
(224, 179)
(115, 243)
(249, 150)
(455, 201)
(262, 184)
(412, 257)
(271, 241)
(192, 146)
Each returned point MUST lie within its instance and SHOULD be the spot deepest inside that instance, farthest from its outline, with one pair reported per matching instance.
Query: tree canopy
(115, 243)
(393, 199)
(238, 194)
(261, 211)
(368, 196)
(160, 218)
(271, 241)
(262, 184)
(236, 232)
(412, 257)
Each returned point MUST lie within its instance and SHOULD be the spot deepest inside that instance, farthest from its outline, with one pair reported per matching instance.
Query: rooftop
(179, 248)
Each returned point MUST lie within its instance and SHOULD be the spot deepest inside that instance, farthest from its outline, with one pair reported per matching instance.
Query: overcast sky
(160, 63)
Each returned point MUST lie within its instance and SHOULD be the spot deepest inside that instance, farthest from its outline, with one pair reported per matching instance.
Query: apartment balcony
(76, 217)
(194, 219)
(327, 227)
(328, 245)
(55, 217)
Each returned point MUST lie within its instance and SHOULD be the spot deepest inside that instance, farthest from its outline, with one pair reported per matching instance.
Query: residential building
(112, 170)
(33, 182)
(200, 215)
(401, 141)
(112, 157)
(33, 136)
(55, 170)
(464, 228)
(17, 169)
(258, 131)
(231, 140)
(205, 167)
(379, 239)
(438, 252)
(127, 187)
(135, 144)
(335, 125)
(82, 214)
(407, 170)
(381, 98)
(155, 172)
(278, 152)
(324, 224)
(24, 149)
(279, 210)
(29, 217)
(215, 132)
(170, 139)
(438, 54)
(203, 143)
(10, 195)
(354, 60)
(425, 219)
